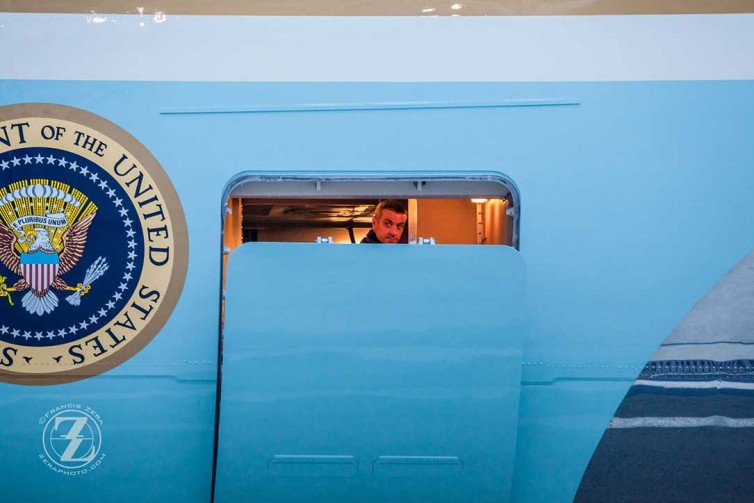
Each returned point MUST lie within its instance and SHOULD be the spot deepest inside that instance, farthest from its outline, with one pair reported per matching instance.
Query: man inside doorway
(388, 223)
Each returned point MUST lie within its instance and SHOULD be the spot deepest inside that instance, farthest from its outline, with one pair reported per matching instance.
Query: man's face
(389, 226)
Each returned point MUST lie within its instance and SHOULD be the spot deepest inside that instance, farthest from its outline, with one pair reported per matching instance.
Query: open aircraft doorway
(368, 373)
(481, 210)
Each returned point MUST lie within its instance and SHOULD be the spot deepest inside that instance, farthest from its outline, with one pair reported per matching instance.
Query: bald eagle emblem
(41, 248)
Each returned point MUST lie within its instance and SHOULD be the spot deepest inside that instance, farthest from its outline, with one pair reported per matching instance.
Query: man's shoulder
(370, 238)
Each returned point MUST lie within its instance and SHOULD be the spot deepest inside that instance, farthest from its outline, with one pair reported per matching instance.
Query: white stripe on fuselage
(711, 384)
(680, 422)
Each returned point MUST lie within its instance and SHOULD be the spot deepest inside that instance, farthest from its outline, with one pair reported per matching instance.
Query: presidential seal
(93, 245)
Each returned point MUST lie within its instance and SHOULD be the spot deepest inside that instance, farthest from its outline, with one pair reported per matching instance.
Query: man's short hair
(389, 204)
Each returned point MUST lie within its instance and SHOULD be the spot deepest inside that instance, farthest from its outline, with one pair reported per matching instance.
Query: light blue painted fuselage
(635, 199)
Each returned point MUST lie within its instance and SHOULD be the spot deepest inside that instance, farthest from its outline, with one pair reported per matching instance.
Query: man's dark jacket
(371, 238)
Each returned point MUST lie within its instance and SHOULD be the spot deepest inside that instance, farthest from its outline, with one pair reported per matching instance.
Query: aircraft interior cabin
(480, 221)
(463, 212)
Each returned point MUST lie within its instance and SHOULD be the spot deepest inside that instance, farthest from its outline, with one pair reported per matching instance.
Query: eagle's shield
(40, 269)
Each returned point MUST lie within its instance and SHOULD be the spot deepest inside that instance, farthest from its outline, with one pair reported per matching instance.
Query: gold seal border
(180, 238)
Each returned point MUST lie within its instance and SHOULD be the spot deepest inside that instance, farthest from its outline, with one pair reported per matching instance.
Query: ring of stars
(123, 212)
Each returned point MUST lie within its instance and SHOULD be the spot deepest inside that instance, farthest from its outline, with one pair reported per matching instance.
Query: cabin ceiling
(266, 214)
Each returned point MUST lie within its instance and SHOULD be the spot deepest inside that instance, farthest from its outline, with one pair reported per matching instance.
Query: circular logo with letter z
(72, 439)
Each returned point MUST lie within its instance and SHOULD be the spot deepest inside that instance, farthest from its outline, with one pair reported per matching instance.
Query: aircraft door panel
(370, 373)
